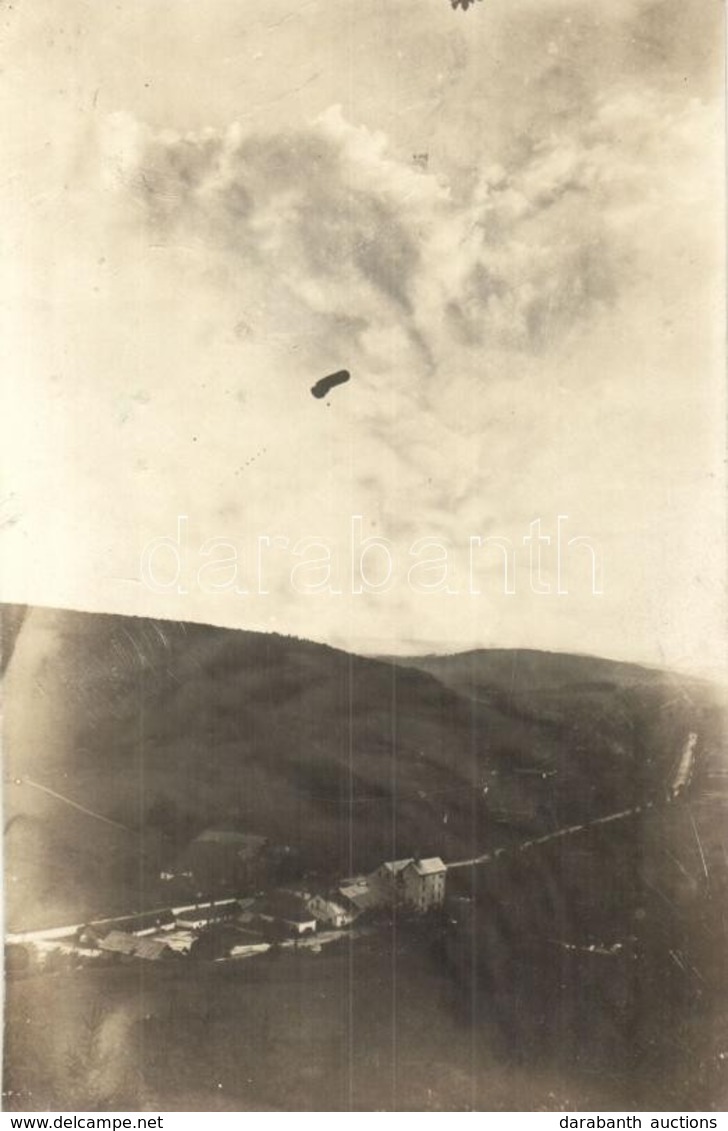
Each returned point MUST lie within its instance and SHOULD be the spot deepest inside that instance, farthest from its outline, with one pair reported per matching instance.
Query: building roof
(249, 948)
(196, 907)
(180, 941)
(206, 913)
(430, 867)
(151, 949)
(287, 906)
(395, 866)
(363, 895)
(119, 942)
(338, 901)
(140, 921)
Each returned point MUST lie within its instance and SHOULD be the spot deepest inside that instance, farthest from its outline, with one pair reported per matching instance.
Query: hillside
(165, 728)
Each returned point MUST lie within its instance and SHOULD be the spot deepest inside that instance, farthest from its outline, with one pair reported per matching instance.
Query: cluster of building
(285, 913)
(240, 926)
(414, 883)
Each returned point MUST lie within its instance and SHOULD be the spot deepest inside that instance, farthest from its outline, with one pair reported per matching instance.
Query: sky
(505, 223)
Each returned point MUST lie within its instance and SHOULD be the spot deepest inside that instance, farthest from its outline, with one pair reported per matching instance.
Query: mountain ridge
(349, 759)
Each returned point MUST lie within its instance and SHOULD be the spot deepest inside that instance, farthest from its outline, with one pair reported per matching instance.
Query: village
(279, 909)
(236, 927)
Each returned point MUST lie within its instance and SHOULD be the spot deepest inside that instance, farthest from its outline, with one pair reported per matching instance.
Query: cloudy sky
(209, 207)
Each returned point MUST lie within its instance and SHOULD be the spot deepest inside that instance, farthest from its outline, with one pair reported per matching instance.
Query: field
(378, 1024)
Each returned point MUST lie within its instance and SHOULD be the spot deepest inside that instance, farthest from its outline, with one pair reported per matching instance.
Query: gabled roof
(395, 866)
(363, 895)
(337, 901)
(331, 899)
(430, 867)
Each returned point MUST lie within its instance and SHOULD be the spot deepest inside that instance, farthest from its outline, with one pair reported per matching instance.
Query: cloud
(523, 318)
(344, 243)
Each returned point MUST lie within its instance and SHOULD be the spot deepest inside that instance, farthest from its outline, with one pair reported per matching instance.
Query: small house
(289, 910)
(334, 910)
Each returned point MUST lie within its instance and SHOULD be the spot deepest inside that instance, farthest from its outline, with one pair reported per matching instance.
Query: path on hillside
(680, 779)
(569, 830)
(73, 804)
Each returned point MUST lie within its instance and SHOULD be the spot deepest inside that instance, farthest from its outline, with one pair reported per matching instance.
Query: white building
(334, 910)
(418, 883)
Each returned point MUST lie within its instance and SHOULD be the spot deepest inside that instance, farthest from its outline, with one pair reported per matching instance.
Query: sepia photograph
(362, 557)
